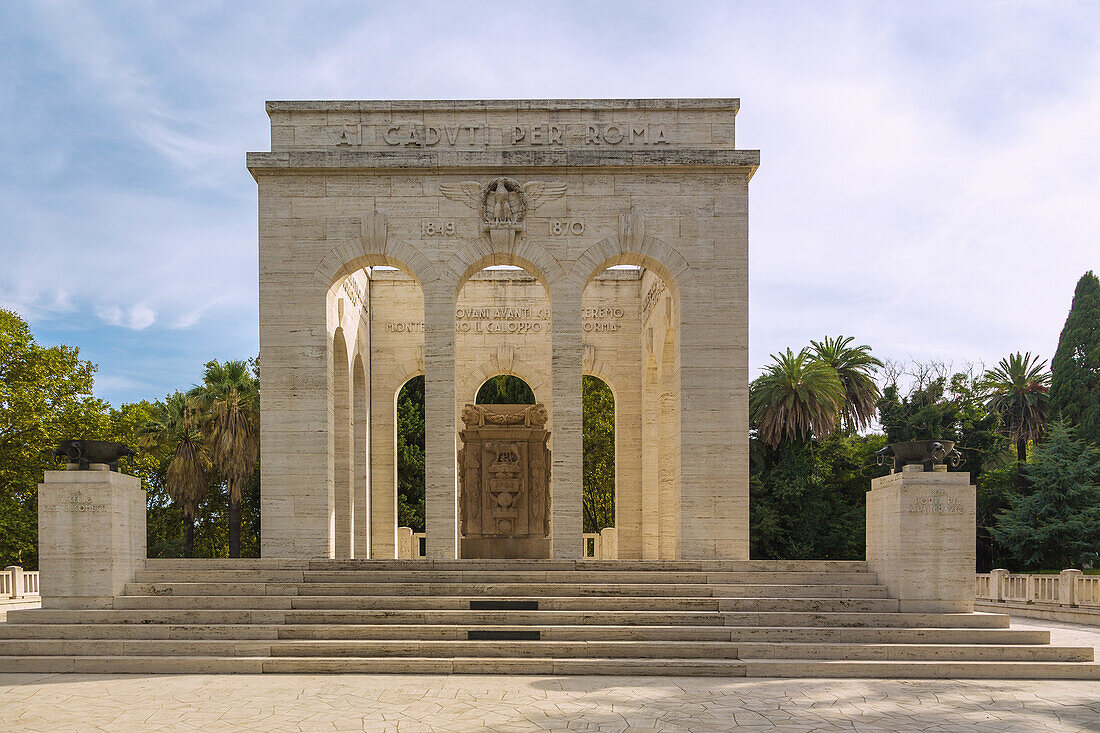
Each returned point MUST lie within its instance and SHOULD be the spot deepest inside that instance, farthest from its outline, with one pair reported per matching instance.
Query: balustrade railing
(1068, 588)
(15, 582)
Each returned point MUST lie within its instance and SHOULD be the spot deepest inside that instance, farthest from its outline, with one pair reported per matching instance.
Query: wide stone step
(582, 576)
(826, 619)
(372, 665)
(432, 566)
(907, 652)
(514, 617)
(594, 632)
(562, 603)
(922, 669)
(647, 590)
(371, 648)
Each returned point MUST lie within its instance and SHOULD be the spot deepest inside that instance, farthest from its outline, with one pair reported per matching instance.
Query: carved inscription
(438, 228)
(491, 319)
(543, 133)
(938, 502)
(74, 502)
(353, 293)
(566, 227)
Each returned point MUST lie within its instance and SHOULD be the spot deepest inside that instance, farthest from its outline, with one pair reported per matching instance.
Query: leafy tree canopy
(1057, 524)
(1075, 383)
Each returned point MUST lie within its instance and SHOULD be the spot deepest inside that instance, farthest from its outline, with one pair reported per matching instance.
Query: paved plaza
(403, 703)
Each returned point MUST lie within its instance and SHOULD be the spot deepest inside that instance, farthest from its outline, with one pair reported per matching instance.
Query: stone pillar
(91, 536)
(440, 474)
(568, 452)
(920, 539)
(1067, 587)
(342, 462)
(609, 544)
(997, 580)
(16, 573)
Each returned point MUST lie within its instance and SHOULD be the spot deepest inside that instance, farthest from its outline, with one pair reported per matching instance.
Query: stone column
(91, 536)
(567, 471)
(1067, 587)
(342, 460)
(440, 475)
(296, 502)
(383, 467)
(920, 539)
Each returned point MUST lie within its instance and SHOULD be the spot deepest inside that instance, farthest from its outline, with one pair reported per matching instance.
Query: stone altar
(504, 477)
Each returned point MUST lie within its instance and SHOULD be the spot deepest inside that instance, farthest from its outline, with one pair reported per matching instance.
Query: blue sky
(930, 178)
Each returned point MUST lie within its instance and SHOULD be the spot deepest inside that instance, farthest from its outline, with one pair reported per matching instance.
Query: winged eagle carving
(502, 201)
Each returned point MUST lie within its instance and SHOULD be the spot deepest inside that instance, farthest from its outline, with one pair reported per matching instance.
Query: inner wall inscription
(517, 320)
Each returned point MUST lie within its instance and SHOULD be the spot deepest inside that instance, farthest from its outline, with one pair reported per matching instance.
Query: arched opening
(409, 453)
(598, 407)
(342, 461)
(375, 310)
(630, 334)
(505, 389)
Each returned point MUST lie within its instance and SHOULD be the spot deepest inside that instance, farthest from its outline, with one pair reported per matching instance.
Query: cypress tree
(1075, 369)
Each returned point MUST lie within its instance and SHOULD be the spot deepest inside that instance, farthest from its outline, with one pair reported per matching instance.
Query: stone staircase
(716, 618)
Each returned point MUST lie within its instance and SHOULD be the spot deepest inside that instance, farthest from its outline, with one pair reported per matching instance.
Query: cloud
(137, 317)
(928, 177)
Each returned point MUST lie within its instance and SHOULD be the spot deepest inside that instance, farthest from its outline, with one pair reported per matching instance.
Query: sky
(929, 180)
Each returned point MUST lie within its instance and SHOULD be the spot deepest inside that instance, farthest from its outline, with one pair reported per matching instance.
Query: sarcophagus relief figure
(504, 477)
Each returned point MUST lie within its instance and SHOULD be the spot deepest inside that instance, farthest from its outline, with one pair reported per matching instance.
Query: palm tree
(1019, 391)
(796, 397)
(231, 395)
(176, 425)
(855, 367)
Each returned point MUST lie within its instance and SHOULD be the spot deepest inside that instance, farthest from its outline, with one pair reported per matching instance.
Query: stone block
(920, 539)
(91, 533)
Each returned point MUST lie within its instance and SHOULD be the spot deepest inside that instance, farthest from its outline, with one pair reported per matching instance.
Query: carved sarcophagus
(504, 477)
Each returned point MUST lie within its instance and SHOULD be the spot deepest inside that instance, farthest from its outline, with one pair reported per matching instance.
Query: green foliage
(796, 398)
(855, 367)
(1075, 384)
(45, 397)
(1057, 524)
(807, 498)
(599, 454)
(410, 455)
(1019, 393)
(505, 389)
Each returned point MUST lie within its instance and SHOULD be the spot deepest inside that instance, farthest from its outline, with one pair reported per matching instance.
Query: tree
(505, 389)
(855, 368)
(1075, 382)
(1019, 393)
(410, 454)
(176, 425)
(796, 398)
(1057, 524)
(599, 454)
(45, 397)
(230, 395)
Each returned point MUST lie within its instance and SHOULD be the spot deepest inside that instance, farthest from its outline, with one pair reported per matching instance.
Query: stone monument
(920, 537)
(504, 472)
(91, 527)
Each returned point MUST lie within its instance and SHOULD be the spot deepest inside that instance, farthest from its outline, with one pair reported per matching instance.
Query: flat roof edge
(693, 103)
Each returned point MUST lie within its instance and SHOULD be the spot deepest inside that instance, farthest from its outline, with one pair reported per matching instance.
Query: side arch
(374, 247)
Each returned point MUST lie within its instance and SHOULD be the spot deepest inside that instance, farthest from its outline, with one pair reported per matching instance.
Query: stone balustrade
(410, 545)
(602, 545)
(16, 583)
(1068, 588)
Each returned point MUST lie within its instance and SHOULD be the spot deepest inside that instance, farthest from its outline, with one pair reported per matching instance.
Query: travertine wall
(590, 183)
(920, 538)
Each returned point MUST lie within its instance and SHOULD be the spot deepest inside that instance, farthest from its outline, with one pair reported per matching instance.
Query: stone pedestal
(920, 538)
(91, 536)
(504, 473)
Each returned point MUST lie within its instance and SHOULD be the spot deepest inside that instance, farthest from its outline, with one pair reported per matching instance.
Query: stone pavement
(406, 703)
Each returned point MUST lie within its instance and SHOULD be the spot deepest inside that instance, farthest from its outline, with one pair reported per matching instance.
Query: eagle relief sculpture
(503, 204)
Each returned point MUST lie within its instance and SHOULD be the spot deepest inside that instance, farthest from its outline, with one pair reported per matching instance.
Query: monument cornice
(497, 160)
(472, 105)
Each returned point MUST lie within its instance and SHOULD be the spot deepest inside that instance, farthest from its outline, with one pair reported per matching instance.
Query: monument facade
(377, 223)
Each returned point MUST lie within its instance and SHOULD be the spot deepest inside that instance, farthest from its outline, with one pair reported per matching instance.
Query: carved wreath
(503, 201)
